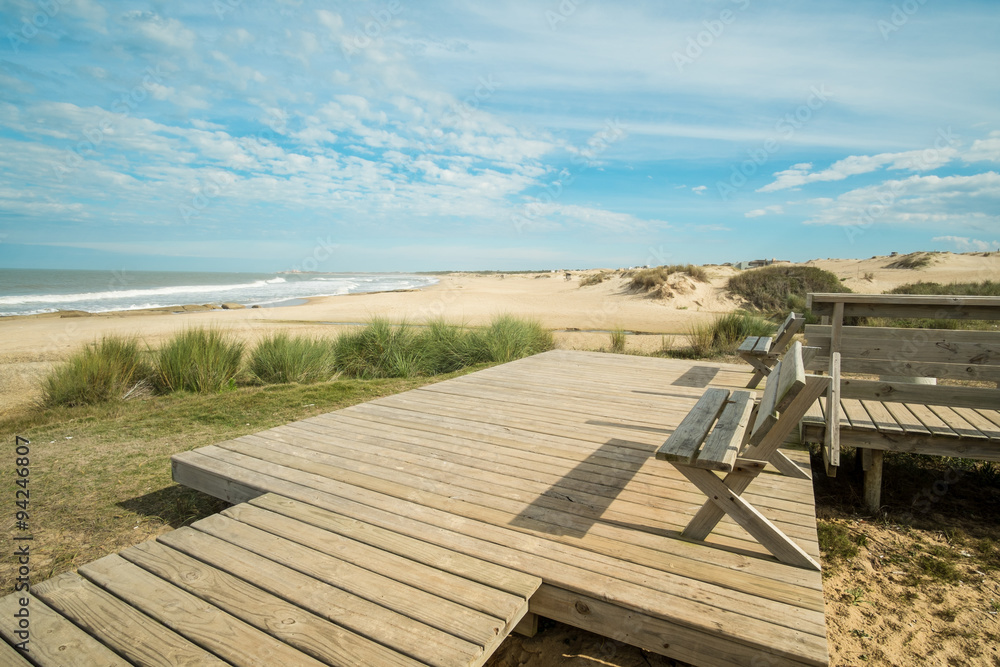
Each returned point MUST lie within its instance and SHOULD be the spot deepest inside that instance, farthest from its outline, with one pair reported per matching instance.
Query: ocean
(32, 291)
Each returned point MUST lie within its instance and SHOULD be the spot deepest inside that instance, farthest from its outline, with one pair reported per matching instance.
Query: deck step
(276, 582)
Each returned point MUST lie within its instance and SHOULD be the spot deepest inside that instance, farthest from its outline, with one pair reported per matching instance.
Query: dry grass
(914, 260)
(647, 279)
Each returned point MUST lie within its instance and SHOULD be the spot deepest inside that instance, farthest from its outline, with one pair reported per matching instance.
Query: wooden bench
(725, 433)
(763, 352)
(894, 414)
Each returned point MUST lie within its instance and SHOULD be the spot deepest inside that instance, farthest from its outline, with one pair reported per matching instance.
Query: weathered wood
(53, 641)
(837, 327)
(204, 624)
(906, 392)
(749, 518)
(130, 633)
(12, 657)
(907, 306)
(748, 344)
(683, 443)
(763, 346)
(873, 480)
(527, 626)
(791, 379)
(831, 439)
(766, 413)
(723, 444)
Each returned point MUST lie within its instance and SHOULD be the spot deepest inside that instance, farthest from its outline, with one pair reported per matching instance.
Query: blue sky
(404, 135)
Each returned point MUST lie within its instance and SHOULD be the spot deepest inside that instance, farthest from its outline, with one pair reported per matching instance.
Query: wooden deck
(543, 466)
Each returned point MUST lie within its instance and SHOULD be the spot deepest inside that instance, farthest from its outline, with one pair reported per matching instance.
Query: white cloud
(983, 150)
(916, 160)
(953, 202)
(758, 212)
(699, 189)
(965, 244)
(169, 32)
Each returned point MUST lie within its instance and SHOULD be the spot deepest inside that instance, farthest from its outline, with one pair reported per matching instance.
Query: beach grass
(618, 340)
(985, 288)
(648, 279)
(281, 358)
(507, 338)
(725, 333)
(380, 349)
(112, 369)
(199, 360)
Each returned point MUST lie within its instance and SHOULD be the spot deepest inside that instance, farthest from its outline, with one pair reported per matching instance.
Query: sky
(397, 135)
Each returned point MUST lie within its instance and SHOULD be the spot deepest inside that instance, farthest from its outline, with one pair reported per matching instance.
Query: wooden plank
(364, 628)
(920, 346)
(904, 306)
(127, 631)
(956, 422)
(946, 300)
(748, 344)
(683, 443)
(466, 626)
(664, 638)
(881, 417)
(204, 624)
(906, 392)
(905, 418)
(763, 346)
(723, 444)
(930, 420)
(933, 445)
(12, 657)
(766, 414)
(53, 641)
(831, 438)
(786, 332)
(474, 569)
(791, 378)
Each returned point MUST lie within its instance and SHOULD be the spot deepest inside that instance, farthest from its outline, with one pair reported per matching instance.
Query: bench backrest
(946, 307)
(937, 353)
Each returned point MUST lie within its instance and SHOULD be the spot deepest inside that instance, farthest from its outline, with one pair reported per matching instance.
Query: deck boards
(543, 466)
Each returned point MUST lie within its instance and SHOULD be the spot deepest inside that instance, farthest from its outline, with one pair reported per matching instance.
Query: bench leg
(788, 467)
(761, 369)
(747, 516)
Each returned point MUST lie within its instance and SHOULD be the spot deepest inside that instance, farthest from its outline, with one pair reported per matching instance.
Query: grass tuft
(379, 350)
(777, 290)
(725, 333)
(111, 370)
(508, 338)
(914, 260)
(199, 360)
(280, 359)
(618, 340)
(594, 279)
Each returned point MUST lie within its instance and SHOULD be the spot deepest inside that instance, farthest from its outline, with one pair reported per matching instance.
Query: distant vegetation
(777, 290)
(210, 361)
(594, 279)
(985, 288)
(914, 260)
(647, 279)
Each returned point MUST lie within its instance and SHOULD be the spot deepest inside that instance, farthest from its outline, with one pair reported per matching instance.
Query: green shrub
(379, 350)
(647, 279)
(508, 338)
(446, 347)
(113, 369)
(199, 360)
(280, 359)
(780, 289)
(724, 334)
